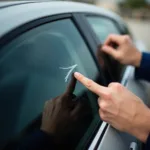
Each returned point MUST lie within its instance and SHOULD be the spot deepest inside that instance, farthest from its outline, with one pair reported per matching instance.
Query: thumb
(109, 50)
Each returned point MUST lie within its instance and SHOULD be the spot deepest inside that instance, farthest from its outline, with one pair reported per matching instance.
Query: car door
(99, 28)
(35, 64)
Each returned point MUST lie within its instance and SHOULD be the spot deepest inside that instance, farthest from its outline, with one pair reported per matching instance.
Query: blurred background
(136, 13)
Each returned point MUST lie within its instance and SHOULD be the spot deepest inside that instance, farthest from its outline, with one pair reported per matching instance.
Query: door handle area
(133, 146)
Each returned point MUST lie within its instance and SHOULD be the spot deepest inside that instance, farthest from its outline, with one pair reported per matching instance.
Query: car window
(34, 70)
(102, 27)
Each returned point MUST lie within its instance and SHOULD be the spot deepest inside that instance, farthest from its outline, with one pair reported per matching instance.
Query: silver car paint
(20, 14)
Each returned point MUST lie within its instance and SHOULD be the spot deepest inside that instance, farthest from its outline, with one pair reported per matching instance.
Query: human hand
(126, 53)
(61, 113)
(120, 108)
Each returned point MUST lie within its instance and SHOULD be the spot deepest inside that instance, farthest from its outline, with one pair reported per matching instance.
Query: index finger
(71, 86)
(90, 84)
(113, 38)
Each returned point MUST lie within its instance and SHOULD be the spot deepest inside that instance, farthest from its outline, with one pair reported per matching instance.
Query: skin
(126, 53)
(117, 105)
(120, 108)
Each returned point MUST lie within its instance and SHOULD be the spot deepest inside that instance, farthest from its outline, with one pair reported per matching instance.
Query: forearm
(141, 128)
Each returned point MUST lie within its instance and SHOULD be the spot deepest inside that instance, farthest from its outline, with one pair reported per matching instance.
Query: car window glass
(34, 69)
(102, 27)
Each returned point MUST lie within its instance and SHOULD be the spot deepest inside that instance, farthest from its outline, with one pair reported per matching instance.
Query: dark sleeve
(39, 140)
(143, 72)
(147, 145)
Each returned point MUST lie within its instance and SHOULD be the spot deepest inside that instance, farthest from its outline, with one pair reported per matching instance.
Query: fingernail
(77, 74)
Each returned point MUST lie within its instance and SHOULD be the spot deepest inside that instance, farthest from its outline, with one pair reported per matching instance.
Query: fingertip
(77, 75)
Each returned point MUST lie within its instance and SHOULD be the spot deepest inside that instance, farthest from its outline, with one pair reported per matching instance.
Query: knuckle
(119, 56)
(126, 38)
(108, 95)
(115, 85)
(103, 105)
(111, 84)
(89, 83)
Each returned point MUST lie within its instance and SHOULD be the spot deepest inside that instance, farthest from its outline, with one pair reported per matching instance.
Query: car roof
(16, 14)
(5, 4)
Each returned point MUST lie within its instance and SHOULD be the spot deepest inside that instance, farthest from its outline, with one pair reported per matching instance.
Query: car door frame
(89, 40)
(82, 16)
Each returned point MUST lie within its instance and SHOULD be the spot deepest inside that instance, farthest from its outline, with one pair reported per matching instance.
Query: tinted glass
(102, 27)
(34, 69)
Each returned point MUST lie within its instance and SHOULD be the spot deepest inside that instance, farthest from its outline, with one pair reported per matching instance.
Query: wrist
(141, 129)
(137, 59)
(141, 134)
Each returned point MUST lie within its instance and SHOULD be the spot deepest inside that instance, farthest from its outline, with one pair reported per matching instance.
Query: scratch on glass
(70, 68)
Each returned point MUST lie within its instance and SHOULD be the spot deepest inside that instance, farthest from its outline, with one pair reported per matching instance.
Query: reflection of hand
(126, 53)
(100, 57)
(61, 113)
(121, 108)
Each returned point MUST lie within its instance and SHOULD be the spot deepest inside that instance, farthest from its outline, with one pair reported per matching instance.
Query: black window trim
(97, 42)
(91, 39)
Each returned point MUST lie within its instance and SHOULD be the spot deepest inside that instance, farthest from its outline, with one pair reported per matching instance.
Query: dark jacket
(143, 72)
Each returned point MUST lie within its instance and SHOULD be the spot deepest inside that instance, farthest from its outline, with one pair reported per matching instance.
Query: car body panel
(18, 15)
(12, 3)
